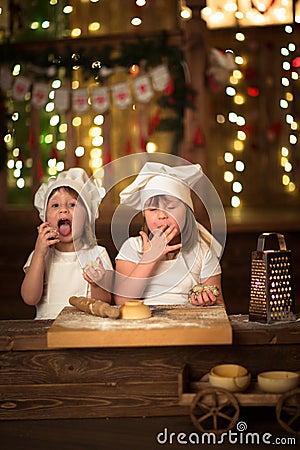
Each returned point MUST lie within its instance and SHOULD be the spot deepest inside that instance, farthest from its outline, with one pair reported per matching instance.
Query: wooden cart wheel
(214, 410)
(288, 411)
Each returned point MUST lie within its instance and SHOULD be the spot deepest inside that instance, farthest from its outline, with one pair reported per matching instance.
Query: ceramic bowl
(277, 382)
(232, 377)
(135, 309)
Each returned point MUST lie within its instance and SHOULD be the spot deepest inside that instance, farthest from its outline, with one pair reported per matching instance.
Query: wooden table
(122, 397)
(42, 383)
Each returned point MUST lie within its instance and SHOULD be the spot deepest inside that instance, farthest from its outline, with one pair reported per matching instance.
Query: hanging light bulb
(185, 12)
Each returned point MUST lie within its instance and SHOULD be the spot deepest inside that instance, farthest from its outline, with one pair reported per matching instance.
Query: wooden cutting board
(168, 325)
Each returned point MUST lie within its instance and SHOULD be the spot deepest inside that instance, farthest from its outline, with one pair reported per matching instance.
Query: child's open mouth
(64, 227)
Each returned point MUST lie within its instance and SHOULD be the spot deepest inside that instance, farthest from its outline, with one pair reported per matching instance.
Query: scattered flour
(162, 317)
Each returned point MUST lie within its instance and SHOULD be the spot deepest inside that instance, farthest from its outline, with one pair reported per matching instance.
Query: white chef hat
(160, 179)
(77, 179)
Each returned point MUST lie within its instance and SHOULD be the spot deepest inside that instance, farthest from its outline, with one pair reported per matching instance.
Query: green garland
(150, 52)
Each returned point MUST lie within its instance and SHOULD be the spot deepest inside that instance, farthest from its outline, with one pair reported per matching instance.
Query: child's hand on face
(93, 272)
(47, 236)
(158, 246)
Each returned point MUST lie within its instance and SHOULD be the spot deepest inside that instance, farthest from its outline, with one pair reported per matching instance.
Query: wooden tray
(169, 325)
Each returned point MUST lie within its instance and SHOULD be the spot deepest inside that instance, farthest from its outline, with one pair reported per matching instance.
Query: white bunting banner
(100, 99)
(160, 77)
(142, 89)
(121, 95)
(62, 99)
(6, 79)
(80, 99)
(20, 88)
(40, 94)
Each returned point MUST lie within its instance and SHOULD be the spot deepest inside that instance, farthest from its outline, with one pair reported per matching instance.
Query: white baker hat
(77, 179)
(160, 179)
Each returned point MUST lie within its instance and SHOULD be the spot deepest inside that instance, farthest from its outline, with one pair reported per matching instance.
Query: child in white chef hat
(66, 260)
(175, 259)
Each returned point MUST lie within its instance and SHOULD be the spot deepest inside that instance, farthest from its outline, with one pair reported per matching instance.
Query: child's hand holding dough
(93, 272)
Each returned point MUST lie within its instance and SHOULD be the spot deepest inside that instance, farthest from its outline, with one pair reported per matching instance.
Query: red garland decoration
(107, 158)
(128, 148)
(296, 62)
(198, 140)
(215, 87)
(31, 139)
(54, 153)
(170, 88)
(275, 128)
(3, 131)
(40, 171)
(21, 157)
(154, 121)
(253, 91)
(143, 144)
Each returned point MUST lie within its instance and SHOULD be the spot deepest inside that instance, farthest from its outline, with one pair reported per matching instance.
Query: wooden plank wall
(89, 383)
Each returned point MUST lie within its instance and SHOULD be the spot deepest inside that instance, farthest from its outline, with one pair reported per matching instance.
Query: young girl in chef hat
(66, 260)
(175, 259)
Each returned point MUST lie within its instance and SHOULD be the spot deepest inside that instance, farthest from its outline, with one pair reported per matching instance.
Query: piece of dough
(92, 264)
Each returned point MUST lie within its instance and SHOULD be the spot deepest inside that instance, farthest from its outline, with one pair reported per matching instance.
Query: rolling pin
(95, 307)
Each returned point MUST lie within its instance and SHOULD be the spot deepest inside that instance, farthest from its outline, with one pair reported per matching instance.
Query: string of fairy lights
(234, 157)
(290, 75)
(234, 161)
(227, 13)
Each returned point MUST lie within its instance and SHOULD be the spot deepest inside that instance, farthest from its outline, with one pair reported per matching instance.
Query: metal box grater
(272, 292)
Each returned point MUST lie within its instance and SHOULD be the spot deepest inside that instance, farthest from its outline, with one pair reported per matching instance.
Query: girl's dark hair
(68, 189)
(189, 233)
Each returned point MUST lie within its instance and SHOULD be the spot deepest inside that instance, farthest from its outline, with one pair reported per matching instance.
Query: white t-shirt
(63, 278)
(174, 278)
